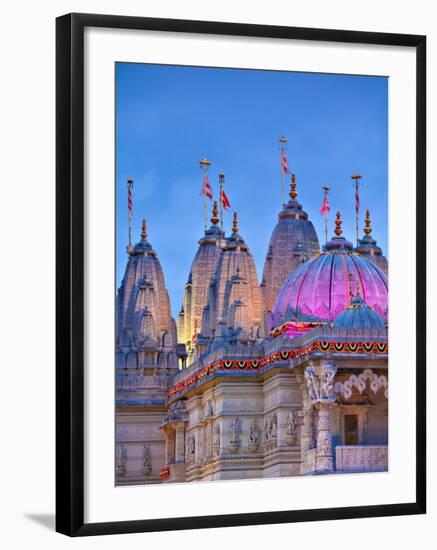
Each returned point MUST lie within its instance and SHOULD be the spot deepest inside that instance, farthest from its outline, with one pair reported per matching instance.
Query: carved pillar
(320, 387)
(180, 441)
(324, 457)
(208, 437)
(307, 434)
(169, 445)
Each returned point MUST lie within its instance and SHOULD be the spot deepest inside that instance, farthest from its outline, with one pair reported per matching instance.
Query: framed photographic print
(240, 274)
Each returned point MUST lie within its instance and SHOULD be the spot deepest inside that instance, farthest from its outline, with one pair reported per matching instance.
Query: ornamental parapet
(322, 339)
(295, 354)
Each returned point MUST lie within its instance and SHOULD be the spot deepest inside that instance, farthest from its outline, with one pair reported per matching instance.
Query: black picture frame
(70, 273)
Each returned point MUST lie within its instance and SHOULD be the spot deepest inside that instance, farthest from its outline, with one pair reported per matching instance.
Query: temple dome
(358, 315)
(196, 289)
(144, 320)
(322, 287)
(293, 241)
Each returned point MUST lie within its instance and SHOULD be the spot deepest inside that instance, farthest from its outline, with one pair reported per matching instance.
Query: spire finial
(235, 223)
(338, 230)
(144, 230)
(367, 223)
(215, 219)
(293, 192)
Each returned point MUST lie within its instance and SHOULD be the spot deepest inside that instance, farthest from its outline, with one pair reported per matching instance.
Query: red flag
(206, 190)
(224, 200)
(325, 206)
(284, 163)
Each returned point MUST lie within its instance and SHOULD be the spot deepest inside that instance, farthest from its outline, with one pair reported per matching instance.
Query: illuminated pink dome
(322, 287)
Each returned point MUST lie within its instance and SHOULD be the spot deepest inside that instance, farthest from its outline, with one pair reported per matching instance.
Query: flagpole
(283, 141)
(221, 180)
(357, 178)
(325, 199)
(204, 163)
(130, 184)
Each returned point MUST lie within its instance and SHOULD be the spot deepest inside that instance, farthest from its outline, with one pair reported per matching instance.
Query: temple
(284, 378)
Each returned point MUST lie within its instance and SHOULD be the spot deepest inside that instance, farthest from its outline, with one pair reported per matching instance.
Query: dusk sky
(169, 118)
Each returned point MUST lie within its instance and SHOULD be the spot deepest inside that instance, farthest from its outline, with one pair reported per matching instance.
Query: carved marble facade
(290, 422)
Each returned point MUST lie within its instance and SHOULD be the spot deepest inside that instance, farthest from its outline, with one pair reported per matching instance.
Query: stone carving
(216, 440)
(359, 382)
(291, 428)
(120, 460)
(320, 381)
(291, 423)
(271, 431)
(191, 446)
(234, 443)
(147, 460)
(273, 428)
(253, 436)
(324, 444)
(208, 410)
(266, 429)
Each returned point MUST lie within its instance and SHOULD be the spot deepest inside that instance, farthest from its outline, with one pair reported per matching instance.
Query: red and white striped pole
(130, 184)
(357, 178)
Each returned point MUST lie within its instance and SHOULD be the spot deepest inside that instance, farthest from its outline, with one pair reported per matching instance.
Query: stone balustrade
(361, 458)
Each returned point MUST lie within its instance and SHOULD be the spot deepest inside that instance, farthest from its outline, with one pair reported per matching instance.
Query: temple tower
(146, 358)
(293, 241)
(368, 247)
(235, 309)
(196, 288)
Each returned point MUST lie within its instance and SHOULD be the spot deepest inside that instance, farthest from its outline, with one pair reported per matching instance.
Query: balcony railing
(361, 458)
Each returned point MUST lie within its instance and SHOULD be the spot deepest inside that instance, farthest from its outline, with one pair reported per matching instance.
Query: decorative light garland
(380, 348)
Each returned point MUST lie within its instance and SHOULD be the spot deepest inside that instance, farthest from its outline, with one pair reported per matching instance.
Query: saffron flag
(325, 208)
(224, 200)
(284, 163)
(206, 190)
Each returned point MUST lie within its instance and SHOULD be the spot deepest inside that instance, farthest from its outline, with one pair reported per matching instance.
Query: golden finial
(293, 192)
(215, 219)
(144, 230)
(235, 223)
(367, 222)
(338, 230)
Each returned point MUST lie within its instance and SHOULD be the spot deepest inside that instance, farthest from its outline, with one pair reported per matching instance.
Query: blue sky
(168, 118)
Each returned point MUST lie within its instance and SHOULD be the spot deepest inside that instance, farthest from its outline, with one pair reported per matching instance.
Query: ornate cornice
(256, 366)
